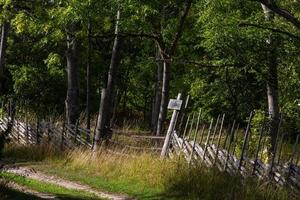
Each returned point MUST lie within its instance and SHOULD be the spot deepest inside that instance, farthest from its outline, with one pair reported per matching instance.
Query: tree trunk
(164, 97)
(101, 119)
(72, 100)
(3, 46)
(273, 100)
(106, 107)
(272, 93)
(272, 84)
(157, 99)
(88, 79)
(167, 68)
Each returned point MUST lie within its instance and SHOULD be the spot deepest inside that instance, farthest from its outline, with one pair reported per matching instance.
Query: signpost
(175, 105)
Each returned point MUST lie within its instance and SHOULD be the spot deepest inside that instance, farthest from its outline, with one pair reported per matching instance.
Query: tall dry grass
(169, 178)
(174, 178)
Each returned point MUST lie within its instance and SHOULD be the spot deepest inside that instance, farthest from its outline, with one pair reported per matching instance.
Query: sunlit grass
(146, 176)
(47, 188)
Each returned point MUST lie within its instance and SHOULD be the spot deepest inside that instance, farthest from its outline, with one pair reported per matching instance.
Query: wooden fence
(64, 137)
(230, 148)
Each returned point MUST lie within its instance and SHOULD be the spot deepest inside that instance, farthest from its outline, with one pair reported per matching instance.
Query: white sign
(175, 104)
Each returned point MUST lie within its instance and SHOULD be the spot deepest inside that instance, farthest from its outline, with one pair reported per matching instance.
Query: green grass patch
(145, 176)
(58, 191)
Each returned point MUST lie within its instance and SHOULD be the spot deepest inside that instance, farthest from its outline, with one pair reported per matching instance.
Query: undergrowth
(146, 176)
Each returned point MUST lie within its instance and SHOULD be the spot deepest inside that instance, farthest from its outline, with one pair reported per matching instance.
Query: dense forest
(68, 57)
(85, 88)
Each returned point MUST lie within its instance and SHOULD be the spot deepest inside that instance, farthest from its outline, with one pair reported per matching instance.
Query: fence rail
(63, 136)
(228, 149)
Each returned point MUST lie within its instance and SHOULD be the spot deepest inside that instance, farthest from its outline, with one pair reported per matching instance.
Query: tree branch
(271, 29)
(198, 64)
(180, 27)
(281, 12)
(124, 34)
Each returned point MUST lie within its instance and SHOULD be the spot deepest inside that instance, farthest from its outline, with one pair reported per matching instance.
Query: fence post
(27, 129)
(215, 129)
(202, 134)
(276, 144)
(76, 132)
(172, 125)
(38, 131)
(195, 137)
(191, 127)
(62, 140)
(245, 141)
(182, 115)
(229, 145)
(259, 145)
(280, 147)
(207, 140)
(219, 139)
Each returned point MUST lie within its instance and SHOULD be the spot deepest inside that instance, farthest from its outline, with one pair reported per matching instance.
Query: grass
(8, 194)
(145, 176)
(60, 192)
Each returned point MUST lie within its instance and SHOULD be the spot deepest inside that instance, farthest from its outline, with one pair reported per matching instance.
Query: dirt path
(32, 174)
(31, 192)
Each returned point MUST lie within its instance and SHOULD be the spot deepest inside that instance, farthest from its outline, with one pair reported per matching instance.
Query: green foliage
(231, 79)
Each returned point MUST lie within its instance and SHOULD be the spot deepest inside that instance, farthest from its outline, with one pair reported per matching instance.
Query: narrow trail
(32, 174)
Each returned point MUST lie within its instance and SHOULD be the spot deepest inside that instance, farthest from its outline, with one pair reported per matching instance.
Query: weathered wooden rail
(227, 149)
(64, 137)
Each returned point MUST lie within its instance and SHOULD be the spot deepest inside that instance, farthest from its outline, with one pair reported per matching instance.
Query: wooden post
(76, 131)
(186, 125)
(18, 130)
(62, 141)
(219, 139)
(182, 114)
(227, 134)
(258, 146)
(37, 131)
(202, 134)
(195, 138)
(208, 137)
(235, 138)
(295, 149)
(185, 129)
(276, 144)
(215, 129)
(229, 145)
(191, 127)
(280, 147)
(49, 129)
(245, 141)
(27, 131)
(293, 155)
(172, 125)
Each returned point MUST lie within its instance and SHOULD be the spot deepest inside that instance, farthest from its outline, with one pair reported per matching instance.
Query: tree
(108, 94)
(166, 53)
(271, 5)
(3, 46)
(72, 99)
